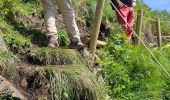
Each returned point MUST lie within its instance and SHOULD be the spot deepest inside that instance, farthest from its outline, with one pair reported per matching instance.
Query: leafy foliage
(17, 43)
(63, 38)
(130, 71)
(109, 13)
(14, 7)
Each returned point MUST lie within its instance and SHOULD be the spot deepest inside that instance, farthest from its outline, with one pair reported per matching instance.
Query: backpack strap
(114, 2)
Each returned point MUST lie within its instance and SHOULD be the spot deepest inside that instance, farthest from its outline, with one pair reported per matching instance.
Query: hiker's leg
(50, 18)
(69, 20)
(122, 21)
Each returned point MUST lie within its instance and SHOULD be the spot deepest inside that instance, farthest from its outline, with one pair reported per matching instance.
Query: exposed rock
(6, 88)
(24, 83)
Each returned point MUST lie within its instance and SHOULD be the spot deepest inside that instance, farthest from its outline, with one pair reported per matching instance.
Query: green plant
(109, 13)
(63, 38)
(131, 72)
(19, 7)
(5, 27)
(17, 43)
(116, 75)
(85, 10)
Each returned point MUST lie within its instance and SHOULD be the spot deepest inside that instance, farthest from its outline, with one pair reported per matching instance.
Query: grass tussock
(7, 64)
(74, 82)
(71, 82)
(49, 56)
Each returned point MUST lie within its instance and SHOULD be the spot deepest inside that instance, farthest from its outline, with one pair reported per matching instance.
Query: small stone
(24, 83)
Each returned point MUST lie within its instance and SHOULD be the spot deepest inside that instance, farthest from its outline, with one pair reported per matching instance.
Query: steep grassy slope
(62, 74)
(40, 72)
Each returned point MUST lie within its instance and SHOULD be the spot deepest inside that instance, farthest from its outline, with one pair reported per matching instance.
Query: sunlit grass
(7, 64)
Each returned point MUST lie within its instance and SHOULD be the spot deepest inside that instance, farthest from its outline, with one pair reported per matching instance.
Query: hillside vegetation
(129, 72)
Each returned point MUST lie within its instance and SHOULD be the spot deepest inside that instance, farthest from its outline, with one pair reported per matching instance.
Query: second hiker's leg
(123, 21)
(130, 20)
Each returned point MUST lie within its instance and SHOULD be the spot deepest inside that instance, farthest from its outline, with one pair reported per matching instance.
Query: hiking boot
(53, 42)
(77, 45)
